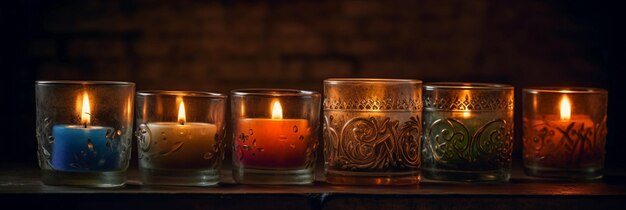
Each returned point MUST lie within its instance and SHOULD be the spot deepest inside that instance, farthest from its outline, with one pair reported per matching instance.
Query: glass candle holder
(564, 132)
(372, 131)
(180, 137)
(84, 131)
(468, 131)
(275, 135)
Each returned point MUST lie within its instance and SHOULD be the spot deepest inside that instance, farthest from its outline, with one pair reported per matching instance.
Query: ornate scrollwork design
(493, 142)
(372, 143)
(449, 142)
(366, 143)
(409, 143)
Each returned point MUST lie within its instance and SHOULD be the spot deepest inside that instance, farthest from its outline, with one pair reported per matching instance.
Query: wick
(85, 125)
(182, 122)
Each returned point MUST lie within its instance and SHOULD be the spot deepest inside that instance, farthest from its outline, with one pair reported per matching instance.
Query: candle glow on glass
(129, 108)
(468, 95)
(464, 113)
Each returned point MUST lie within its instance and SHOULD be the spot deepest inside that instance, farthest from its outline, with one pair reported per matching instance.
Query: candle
(179, 145)
(569, 138)
(564, 132)
(84, 147)
(84, 132)
(272, 143)
(269, 147)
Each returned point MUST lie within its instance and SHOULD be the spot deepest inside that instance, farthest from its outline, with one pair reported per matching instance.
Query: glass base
(466, 176)
(560, 173)
(275, 177)
(372, 178)
(179, 177)
(85, 179)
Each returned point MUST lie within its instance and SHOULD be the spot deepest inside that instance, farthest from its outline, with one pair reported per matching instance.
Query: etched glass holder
(468, 131)
(84, 131)
(564, 132)
(372, 131)
(180, 137)
(275, 135)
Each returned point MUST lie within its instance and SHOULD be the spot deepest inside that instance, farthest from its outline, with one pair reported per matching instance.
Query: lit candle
(84, 147)
(272, 143)
(569, 134)
(179, 145)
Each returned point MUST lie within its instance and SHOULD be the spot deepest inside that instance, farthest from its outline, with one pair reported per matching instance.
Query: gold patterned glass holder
(468, 132)
(372, 130)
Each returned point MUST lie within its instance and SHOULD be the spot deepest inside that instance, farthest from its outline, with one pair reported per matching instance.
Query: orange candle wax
(272, 143)
(564, 142)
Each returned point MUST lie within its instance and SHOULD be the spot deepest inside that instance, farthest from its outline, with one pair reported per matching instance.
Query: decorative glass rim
(370, 81)
(181, 93)
(557, 89)
(273, 92)
(467, 85)
(78, 82)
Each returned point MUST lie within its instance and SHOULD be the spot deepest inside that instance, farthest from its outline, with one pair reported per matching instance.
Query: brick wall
(222, 45)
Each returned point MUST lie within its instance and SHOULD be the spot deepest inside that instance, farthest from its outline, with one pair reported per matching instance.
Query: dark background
(222, 45)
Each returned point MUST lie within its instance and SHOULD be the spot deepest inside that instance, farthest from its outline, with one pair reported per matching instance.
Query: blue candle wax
(77, 148)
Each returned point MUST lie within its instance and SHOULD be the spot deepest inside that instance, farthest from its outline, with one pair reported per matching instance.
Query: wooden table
(22, 188)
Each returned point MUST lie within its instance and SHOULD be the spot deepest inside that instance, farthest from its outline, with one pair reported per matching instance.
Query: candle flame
(181, 113)
(566, 108)
(277, 111)
(85, 114)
